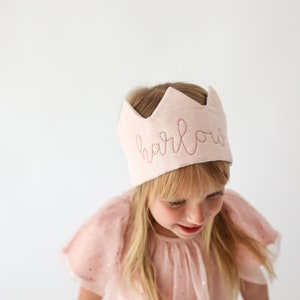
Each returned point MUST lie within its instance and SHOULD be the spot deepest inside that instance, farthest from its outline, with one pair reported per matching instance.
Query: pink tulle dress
(95, 252)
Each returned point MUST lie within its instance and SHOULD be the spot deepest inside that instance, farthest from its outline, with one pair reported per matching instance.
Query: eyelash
(214, 195)
(177, 203)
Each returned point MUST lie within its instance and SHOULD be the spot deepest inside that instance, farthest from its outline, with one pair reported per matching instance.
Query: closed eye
(176, 203)
(214, 195)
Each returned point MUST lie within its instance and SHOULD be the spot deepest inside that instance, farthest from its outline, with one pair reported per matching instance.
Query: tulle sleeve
(247, 218)
(93, 254)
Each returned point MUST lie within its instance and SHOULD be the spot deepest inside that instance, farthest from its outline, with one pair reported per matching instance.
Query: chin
(187, 236)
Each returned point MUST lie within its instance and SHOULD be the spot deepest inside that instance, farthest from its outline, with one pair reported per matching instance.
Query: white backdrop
(65, 67)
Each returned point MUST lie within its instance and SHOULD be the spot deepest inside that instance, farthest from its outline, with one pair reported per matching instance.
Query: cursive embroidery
(182, 141)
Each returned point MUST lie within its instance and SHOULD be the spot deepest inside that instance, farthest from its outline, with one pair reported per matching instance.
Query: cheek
(163, 214)
(212, 207)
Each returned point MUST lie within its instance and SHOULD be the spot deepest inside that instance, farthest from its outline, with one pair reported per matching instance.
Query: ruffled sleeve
(249, 220)
(94, 252)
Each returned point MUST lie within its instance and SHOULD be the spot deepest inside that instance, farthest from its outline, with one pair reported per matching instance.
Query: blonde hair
(220, 236)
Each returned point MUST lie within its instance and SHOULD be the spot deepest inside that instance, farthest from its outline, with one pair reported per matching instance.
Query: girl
(178, 234)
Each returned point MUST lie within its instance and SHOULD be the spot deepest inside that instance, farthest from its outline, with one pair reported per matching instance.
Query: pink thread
(161, 147)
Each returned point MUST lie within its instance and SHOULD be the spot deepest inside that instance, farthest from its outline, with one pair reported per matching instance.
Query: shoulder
(110, 218)
(248, 218)
(94, 251)
(116, 210)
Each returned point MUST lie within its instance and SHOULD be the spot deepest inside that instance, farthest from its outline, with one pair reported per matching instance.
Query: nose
(196, 215)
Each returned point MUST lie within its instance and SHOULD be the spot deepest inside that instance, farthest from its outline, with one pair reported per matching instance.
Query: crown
(180, 132)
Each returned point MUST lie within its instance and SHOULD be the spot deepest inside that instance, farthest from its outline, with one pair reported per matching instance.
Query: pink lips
(190, 229)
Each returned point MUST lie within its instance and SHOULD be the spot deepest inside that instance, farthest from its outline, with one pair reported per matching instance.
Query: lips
(190, 229)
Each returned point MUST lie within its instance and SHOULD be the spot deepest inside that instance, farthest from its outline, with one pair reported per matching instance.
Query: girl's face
(184, 217)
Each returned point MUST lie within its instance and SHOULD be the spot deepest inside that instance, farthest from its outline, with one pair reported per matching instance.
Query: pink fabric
(95, 253)
(180, 132)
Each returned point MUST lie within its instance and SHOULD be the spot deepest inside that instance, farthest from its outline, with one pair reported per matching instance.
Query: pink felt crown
(180, 132)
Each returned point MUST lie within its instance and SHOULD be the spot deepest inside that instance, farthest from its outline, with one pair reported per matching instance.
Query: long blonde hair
(220, 236)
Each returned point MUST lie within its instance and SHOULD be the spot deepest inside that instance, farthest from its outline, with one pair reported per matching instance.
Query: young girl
(178, 234)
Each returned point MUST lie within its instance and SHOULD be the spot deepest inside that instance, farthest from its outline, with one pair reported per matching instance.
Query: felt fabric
(180, 132)
(95, 253)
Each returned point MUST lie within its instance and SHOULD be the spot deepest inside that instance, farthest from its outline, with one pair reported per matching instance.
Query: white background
(65, 67)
